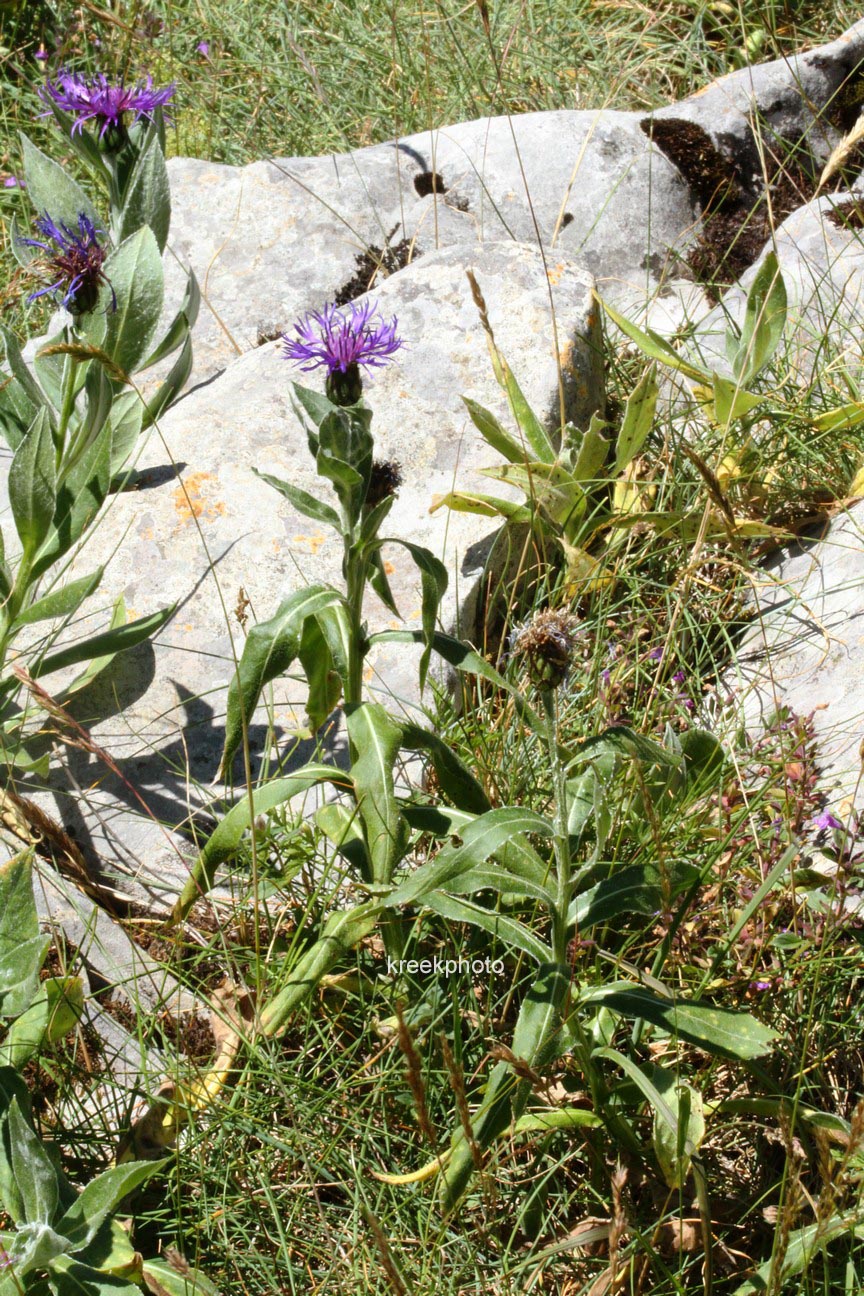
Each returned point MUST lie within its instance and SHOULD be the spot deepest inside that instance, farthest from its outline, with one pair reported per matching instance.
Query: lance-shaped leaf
(324, 682)
(34, 1173)
(105, 645)
(29, 393)
(482, 838)
(303, 502)
(454, 777)
(101, 1197)
(517, 866)
(134, 272)
(764, 320)
(33, 485)
(529, 424)
(721, 1031)
(679, 1122)
(22, 947)
(485, 505)
(54, 1012)
(342, 931)
(225, 839)
(654, 346)
(51, 189)
(433, 581)
(494, 434)
(508, 931)
(147, 199)
(270, 648)
(632, 890)
(174, 383)
(80, 495)
(61, 602)
(376, 740)
(638, 420)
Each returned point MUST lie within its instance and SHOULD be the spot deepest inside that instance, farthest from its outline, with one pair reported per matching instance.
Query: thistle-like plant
(545, 871)
(72, 415)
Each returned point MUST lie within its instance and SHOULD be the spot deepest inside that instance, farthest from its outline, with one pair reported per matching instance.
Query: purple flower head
(95, 99)
(73, 261)
(656, 654)
(341, 341)
(826, 820)
(203, 48)
(12, 182)
(341, 338)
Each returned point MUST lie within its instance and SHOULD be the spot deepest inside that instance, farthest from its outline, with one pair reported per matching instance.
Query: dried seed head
(547, 643)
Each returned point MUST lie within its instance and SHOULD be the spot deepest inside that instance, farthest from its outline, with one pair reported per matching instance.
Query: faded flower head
(73, 262)
(95, 99)
(341, 340)
(547, 643)
(384, 481)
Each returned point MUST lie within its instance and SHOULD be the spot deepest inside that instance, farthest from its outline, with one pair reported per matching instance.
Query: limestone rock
(805, 649)
(204, 531)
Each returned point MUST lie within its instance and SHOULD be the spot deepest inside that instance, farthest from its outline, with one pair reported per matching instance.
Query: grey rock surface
(274, 239)
(203, 528)
(805, 649)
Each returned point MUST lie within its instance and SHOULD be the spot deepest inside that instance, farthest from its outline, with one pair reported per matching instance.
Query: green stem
(67, 404)
(355, 580)
(561, 838)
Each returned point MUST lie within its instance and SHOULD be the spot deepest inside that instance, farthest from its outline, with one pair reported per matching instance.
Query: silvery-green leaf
(52, 190)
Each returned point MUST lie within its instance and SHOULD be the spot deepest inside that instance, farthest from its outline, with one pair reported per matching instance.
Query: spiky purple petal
(96, 99)
(339, 338)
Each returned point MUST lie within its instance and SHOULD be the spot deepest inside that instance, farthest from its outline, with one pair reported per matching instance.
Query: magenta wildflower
(827, 820)
(203, 48)
(341, 341)
(95, 99)
(73, 262)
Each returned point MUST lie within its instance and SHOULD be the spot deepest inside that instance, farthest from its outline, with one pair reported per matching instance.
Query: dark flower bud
(344, 388)
(384, 481)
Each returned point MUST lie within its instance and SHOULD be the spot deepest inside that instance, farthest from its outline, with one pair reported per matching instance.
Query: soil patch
(377, 262)
(738, 210)
(847, 215)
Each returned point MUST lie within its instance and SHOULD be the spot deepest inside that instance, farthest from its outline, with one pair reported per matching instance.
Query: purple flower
(679, 677)
(74, 262)
(12, 182)
(342, 338)
(341, 341)
(203, 48)
(41, 54)
(826, 820)
(656, 654)
(95, 99)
